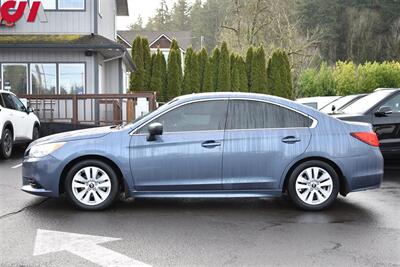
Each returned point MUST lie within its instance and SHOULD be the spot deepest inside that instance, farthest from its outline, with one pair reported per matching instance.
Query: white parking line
(16, 166)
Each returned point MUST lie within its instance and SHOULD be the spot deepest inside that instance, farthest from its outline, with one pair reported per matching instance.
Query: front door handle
(291, 139)
(210, 144)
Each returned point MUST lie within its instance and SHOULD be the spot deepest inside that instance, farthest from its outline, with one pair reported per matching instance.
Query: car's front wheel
(91, 185)
(313, 185)
(6, 146)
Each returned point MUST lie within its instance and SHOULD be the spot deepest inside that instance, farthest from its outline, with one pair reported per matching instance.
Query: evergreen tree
(259, 72)
(224, 70)
(191, 79)
(174, 75)
(207, 80)
(162, 19)
(156, 78)
(175, 46)
(214, 66)
(186, 84)
(137, 78)
(146, 63)
(180, 16)
(235, 82)
(249, 68)
(243, 84)
(163, 75)
(279, 75)
(203, 62)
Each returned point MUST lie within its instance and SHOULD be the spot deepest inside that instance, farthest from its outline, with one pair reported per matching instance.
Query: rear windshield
(366, 103)
(338, 103)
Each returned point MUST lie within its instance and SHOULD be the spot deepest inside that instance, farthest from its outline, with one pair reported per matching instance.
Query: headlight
(39, 151)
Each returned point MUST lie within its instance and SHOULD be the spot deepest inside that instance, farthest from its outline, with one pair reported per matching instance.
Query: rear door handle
(291, 139)
(210, 144)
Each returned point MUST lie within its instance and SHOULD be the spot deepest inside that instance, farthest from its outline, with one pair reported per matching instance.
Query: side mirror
(383, 111)
(29, 110)
(154, 129)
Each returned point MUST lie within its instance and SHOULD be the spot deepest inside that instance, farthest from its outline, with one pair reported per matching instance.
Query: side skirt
(207, 194)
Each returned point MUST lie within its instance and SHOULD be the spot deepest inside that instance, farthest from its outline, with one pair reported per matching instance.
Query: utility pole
(201, 42)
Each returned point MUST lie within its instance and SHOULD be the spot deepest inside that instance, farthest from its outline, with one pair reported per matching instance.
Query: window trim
(17, 64)
(83, 8)
(30, 76)
(313, 125)
(70, 63)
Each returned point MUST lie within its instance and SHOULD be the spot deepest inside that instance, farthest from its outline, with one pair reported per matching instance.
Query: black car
(382, 109)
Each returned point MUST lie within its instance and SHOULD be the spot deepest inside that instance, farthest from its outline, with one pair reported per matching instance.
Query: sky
(146, 8)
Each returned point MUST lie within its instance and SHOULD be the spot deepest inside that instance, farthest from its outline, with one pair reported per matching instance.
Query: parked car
(382, 109)
(18, 123)
(210, 145)
(317, 102)
(340, 103)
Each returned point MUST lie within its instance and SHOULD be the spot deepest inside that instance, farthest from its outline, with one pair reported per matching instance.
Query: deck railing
(90, 109)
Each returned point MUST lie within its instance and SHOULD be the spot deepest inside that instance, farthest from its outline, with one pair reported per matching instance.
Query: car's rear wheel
(6, 146)
(313, 185)
(91, 185)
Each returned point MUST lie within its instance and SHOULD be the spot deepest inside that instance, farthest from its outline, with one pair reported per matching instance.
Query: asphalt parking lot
(362, 229)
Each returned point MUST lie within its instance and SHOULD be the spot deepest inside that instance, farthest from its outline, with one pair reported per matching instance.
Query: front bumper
(41, 176)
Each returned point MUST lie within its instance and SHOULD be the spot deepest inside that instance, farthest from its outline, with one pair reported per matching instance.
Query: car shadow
(273, 212)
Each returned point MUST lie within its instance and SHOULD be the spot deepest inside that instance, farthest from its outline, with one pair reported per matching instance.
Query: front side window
(8, 102)
(43, 78)
(394, 104)
(18, 104)
(72, 78)
(245, 114)
(199, 116)
(15, 78)
(71, 4)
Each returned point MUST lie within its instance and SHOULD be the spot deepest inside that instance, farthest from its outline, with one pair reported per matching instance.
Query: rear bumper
(362, 172)
(40, 176)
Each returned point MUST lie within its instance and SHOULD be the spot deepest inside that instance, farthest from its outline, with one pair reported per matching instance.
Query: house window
(71, 4)
(49, 4)
(72, 78)
(43, 78)
(15, 78)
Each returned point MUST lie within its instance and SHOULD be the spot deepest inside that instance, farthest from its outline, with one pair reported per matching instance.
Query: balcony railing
(91, 109)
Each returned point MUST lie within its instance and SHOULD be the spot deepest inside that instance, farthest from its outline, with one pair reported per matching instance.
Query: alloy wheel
(7, 143)
(91, 185)
(314, 185)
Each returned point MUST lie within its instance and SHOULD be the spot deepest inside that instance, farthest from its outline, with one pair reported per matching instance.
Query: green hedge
(347, 78)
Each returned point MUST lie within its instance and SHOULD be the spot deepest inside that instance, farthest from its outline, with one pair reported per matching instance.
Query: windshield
(365, 103)
(338, 103)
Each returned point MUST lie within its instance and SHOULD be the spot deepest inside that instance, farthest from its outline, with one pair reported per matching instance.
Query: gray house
(72, 51)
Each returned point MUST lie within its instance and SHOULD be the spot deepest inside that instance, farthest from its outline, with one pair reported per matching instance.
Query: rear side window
(199, 116)
(248, 114)
(8, 102)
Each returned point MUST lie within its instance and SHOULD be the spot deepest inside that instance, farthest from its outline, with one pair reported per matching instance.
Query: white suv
(17, 123)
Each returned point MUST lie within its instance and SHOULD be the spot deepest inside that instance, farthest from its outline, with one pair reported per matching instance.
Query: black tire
(6, 146)
(35, 133)
(104, 167)
(291, 186)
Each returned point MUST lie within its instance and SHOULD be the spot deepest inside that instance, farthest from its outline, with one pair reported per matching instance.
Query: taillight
(369, 138)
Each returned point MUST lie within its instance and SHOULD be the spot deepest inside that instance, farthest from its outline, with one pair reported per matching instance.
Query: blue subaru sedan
(209, 145)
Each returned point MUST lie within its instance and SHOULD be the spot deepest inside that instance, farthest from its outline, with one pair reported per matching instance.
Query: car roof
(5, 91)
(389, 89)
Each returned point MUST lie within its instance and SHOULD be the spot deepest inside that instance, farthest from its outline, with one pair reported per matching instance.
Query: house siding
(58, 22)
(106, 19)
